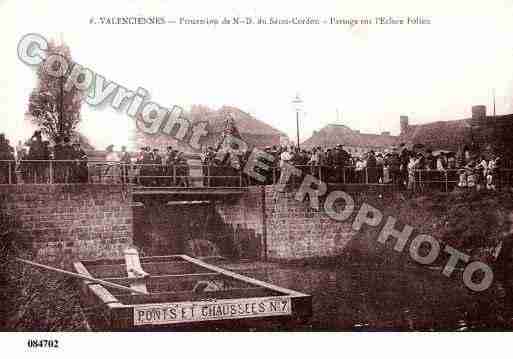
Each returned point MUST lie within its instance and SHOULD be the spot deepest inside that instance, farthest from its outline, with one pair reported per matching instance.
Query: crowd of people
(38, 162)
(152, 169)
(7, 159)
(408, 167)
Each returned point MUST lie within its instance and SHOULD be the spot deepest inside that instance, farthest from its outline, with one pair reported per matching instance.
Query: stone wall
(279, 227)
(297, 231)
(66, 222)
(246, 217)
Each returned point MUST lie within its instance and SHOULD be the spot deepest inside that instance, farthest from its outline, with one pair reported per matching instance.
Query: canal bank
(364, 284)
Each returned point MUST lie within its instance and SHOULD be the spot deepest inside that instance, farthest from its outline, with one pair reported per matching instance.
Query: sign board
(183, 312)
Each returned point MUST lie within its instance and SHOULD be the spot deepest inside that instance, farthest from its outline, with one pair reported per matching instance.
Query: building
(253, 131)
(480, 129)
(354, 142)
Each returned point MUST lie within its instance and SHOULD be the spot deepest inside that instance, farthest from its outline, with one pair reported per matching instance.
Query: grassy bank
(32, 299)
(473, 222)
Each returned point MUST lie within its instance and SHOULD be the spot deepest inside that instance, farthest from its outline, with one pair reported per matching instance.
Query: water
(365, 296)
(202, 248)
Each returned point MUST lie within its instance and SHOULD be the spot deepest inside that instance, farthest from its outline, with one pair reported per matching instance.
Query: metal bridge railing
(109, 172)
(157, 175)
(389, 178)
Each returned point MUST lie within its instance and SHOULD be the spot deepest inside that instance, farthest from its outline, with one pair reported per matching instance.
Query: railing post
(50, 173)
(9, 164)
(446, 184)
(344, 174)
(366, 175)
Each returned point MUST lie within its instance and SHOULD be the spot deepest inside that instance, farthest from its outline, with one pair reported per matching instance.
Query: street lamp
(297, 102)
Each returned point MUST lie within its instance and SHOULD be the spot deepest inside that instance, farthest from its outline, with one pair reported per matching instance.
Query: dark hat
(155, 150)
(66, 139)
(169, 147)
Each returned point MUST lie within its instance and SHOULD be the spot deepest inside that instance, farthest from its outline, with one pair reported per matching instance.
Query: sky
(371, 74)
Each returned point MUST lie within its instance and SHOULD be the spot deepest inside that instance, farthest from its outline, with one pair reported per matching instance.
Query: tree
(54, 109)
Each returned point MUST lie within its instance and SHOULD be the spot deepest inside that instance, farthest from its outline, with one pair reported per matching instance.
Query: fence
(387, 178)
(105, 172)
(155, 175)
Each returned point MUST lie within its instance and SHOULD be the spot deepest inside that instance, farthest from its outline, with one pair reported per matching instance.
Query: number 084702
(43, 343)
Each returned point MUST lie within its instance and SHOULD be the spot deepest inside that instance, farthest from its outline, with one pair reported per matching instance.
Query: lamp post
(297, 102)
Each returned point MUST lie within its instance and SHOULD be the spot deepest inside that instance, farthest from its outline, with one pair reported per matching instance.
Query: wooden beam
(80, 276)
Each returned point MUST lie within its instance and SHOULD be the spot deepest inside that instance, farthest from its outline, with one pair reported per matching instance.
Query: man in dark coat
(145, 169)
(156, 169)
(7, 162)
(80, 171)
(371, 168)
(170, 171)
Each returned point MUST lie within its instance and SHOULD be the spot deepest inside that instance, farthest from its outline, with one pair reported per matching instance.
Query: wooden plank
(253, 281)
(208, 282)
(189, 296)
(77, 275)
(168, 276)
(135, 271)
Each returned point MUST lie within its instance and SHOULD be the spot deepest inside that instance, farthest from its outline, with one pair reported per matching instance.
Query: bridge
(146, 181)
(66, 214)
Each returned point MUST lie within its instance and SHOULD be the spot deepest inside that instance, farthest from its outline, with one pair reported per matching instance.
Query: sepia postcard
(323, 170)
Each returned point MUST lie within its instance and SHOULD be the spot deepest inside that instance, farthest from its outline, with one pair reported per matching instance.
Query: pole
(297, 127)
(61, 106)
(494, 121)
(81, 276)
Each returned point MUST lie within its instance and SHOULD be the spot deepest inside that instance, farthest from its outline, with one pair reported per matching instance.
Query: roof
(253, 131)
(452, 134)
(332, 134)
(244, 122)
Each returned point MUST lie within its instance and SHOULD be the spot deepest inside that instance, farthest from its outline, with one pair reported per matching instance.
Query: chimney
(478, 113)
(404, 121)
